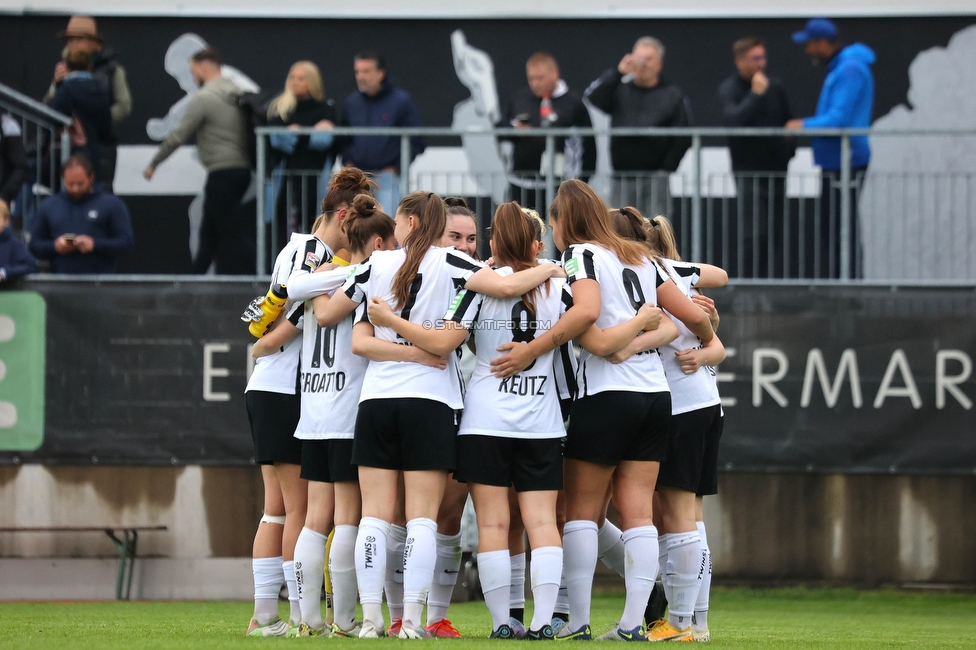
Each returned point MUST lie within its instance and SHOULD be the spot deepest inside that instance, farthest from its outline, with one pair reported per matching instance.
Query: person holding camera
(81, 229)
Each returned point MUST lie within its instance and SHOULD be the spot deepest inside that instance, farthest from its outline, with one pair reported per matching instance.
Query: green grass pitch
(739, 618)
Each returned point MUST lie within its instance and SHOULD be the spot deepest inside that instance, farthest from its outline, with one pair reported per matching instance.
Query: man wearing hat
(82, 35)
(846, 101)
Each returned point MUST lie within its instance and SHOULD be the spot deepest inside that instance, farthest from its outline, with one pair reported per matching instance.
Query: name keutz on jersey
(527, 404)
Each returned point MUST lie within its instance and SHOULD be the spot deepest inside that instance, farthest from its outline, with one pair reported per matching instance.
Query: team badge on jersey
(311, 260)
(572, 266)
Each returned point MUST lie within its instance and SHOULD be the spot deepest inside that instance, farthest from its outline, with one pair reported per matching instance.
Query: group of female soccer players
(365, 444)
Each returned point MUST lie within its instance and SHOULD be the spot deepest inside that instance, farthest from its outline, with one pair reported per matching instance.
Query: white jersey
(623, 289)
(278, 372)
(331, 376)
(699, 390)
(526, 405)
(302, 281)
(441, 273)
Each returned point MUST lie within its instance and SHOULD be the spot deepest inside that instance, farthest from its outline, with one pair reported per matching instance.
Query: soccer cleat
(544, 633)
(352, 634)
(414, 633)
(503, 632)
(276, 627)
(518, 627)
(557, 624)
(701, 634)
(582, 634)
(305, 630)
(616, 634)
(444, 630)
(394, 631)
(664, 631)
(369, 631)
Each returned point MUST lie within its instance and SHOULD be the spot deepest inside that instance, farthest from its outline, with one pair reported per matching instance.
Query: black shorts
(686, 448)
(274, 418)
(528, 465)
(406, 434)
(328, 461)
(612, 426)
(709, 475)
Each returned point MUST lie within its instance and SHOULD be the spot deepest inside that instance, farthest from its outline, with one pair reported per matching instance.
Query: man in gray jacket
(220, 126)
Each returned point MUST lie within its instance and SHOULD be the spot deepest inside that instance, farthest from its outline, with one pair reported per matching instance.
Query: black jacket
(631, 106)
(308, 112)
(569, 110)
(13, 159)
(83, 96)
(742, 107)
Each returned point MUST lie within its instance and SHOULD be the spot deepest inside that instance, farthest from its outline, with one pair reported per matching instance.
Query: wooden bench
(125, 543)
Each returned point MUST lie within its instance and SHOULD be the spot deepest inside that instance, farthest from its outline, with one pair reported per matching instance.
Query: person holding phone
(81, 229)
(547, 102)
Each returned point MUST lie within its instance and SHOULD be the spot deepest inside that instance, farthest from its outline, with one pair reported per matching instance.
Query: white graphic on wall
(8, 412)
(919, 198)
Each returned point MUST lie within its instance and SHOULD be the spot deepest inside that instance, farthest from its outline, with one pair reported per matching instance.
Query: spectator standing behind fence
(81, 229)
(221, 129)
(15, 260)
(749, 98)
(378, 103)
(13, 162)
(635, 94)
(82, 35)
(86, 102)
(846, 101)
(302, 158)
(547, 102)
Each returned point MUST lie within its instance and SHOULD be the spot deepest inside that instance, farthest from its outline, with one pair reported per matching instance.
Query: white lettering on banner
(727, 402)
(899, 362)
(847, 365)
(944, 382)
(209, 372)
(761, 381)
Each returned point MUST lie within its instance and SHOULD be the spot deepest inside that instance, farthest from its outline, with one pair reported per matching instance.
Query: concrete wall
(862, 530)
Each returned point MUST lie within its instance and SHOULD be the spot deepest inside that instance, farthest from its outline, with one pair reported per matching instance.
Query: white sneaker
(369, 631)
(701, 634)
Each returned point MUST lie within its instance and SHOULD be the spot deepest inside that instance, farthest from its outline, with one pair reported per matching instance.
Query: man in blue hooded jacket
(846, 101)
(378, 103)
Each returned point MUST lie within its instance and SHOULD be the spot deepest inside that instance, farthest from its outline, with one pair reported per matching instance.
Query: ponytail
(429, 210)
(514, 230)
(364, 222)
(660, 236)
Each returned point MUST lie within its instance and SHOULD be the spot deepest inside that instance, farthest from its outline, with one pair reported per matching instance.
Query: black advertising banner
(849, 379)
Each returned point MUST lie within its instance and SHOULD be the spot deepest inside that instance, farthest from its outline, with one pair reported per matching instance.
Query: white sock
(516, 596)
(295, 611)
(662, 564)
(419, 555)
(579, 561)
(547, 566)
(640, 551)
(342, 568)
(700, 618)
(495, 572)
(371, 563)
(446, 567)
(610, 547)
(562, 599)
(309, 569)
(395, 541)
(684, 561)
(268, 577)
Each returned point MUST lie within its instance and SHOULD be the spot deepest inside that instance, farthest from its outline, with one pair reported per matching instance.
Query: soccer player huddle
(368, 458)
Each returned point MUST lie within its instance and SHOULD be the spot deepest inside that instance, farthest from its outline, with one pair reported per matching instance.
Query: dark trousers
(757, 249)
(110, 156)
(226, 233)
(829, 250)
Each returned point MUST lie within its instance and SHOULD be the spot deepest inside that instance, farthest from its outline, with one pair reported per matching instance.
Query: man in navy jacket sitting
(81, 229)
(378, 103)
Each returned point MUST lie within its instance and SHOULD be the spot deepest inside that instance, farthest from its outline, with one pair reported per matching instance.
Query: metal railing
(47, 149)
(795, 225)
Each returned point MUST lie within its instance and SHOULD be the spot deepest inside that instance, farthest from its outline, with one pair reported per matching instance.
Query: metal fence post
(404, 170)
(696, 207)
(65, 147)
(259, 222)
(550, 190)
(845, 207)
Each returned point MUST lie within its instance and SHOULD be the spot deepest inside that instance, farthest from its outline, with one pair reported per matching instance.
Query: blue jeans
(388, 193)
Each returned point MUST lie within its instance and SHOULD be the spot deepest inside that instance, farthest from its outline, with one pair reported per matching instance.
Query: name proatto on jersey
(495, 324)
